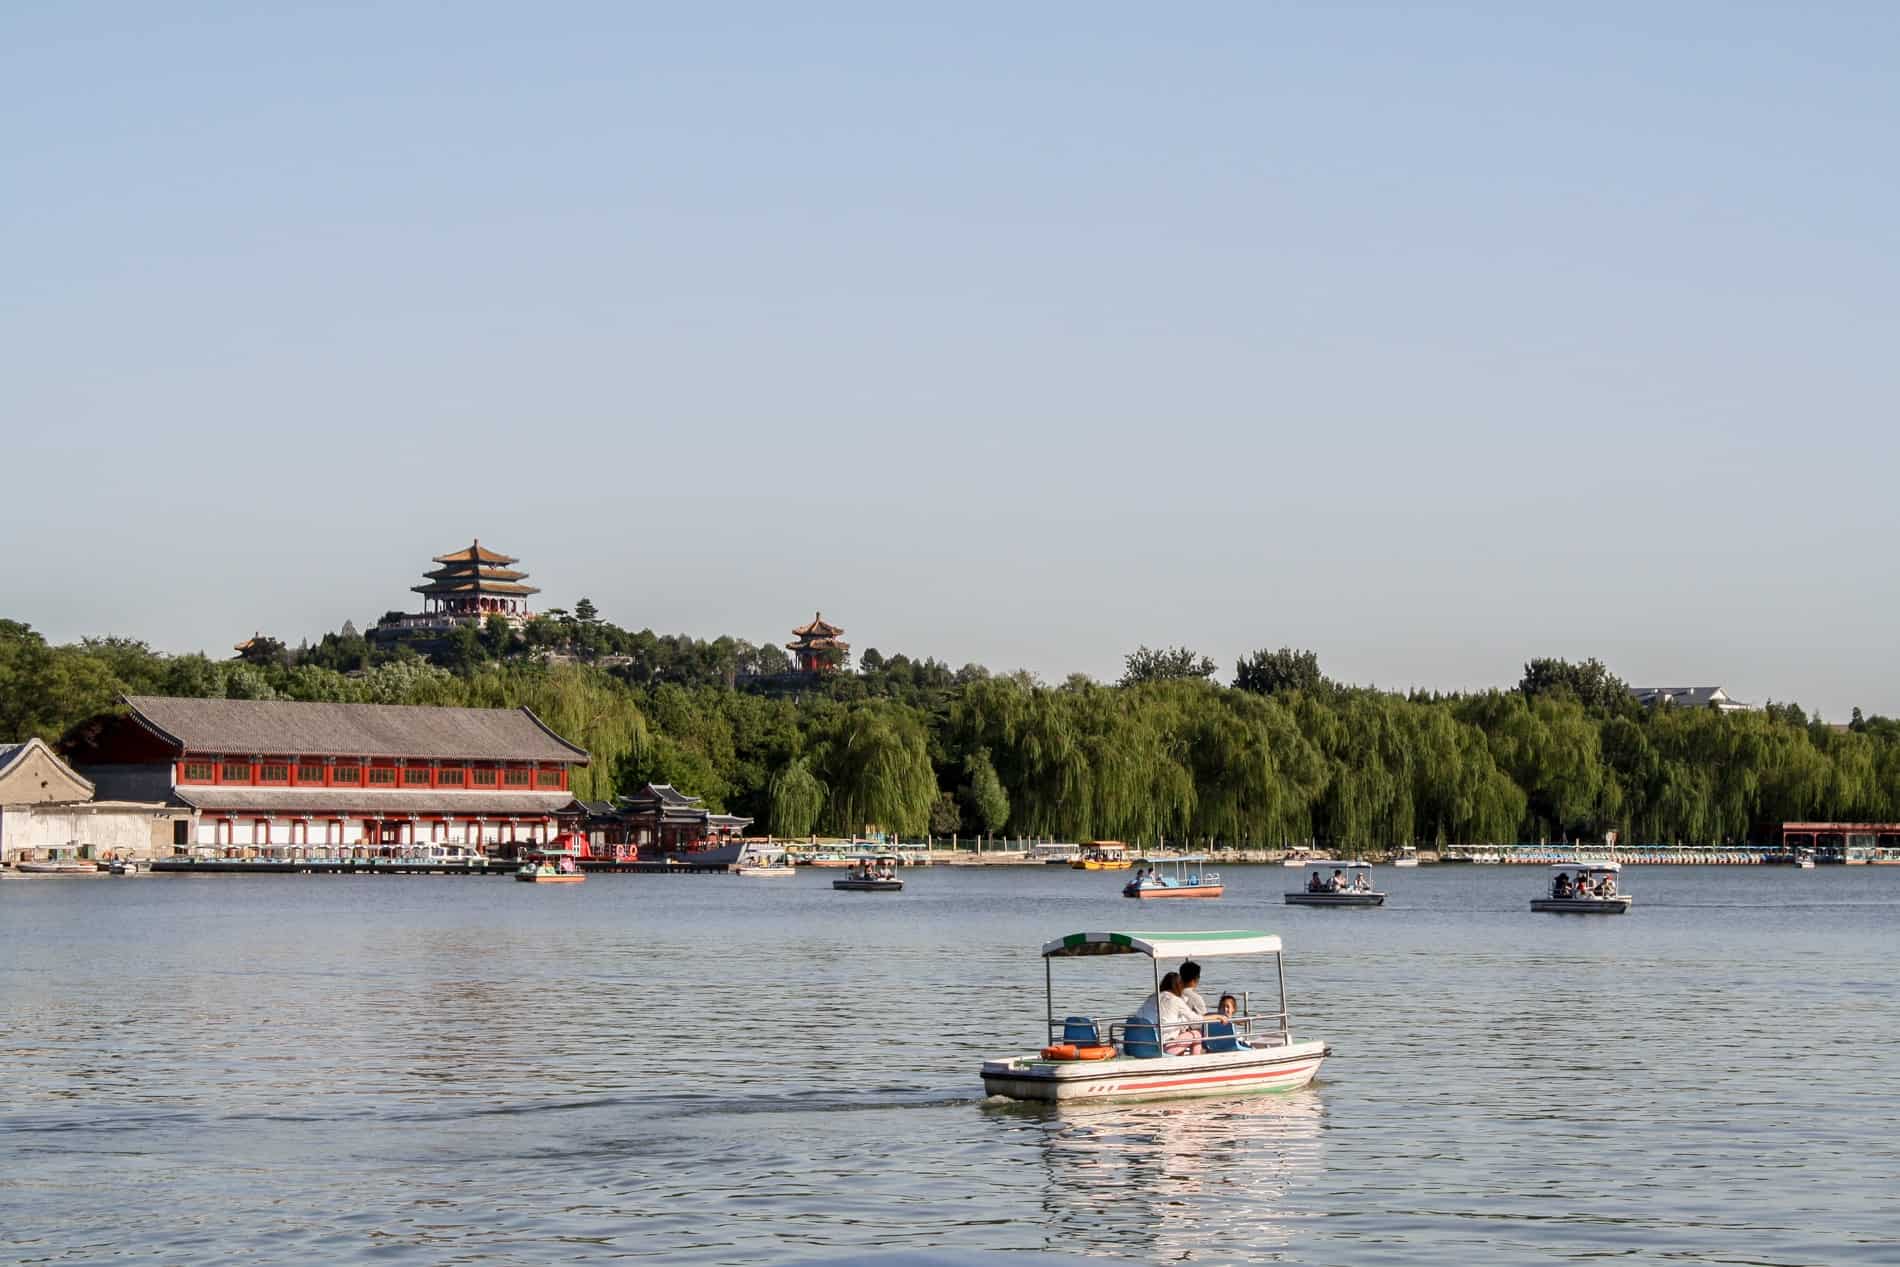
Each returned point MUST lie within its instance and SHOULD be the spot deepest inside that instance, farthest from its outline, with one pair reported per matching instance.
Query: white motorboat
(1090, 1060)
(1408, 857)
(1350, 884)
(1584, 888)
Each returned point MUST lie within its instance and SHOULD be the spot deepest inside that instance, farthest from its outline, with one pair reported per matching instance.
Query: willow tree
(797, 798)
(875, 763)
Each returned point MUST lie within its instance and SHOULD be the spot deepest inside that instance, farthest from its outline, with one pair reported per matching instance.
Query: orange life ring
(1061, 1051)
(1094, 1053)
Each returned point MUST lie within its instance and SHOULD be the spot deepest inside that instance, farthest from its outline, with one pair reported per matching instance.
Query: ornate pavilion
(818, 647)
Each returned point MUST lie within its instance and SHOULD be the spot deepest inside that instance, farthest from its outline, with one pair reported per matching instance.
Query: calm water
(713, 1070)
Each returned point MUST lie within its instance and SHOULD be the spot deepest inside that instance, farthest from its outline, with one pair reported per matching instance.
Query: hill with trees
(1282, 755)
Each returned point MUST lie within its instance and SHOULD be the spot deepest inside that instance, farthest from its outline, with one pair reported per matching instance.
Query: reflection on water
(1179, 1180)
(288, 1070)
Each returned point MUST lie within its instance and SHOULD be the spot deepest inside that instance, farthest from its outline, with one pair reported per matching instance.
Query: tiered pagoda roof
(475, 571)
(819, 635)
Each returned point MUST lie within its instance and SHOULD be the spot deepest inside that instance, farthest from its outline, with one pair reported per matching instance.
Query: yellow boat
(1103, 855)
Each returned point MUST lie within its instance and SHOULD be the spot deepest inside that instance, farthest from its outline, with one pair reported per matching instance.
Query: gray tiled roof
(370, 730)
(336, 800)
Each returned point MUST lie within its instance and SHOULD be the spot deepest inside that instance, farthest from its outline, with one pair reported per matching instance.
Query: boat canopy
(1175, 857)
(1201, 945)
(1587, 866)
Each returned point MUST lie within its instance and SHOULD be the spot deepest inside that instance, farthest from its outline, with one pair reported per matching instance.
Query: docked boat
(1088, 1059)
(1103, 855)
(1350, 884)
(1407, 857)
(1305, 858)
(125, 866)
(59, 860)
(1804, 860)
(878, 875)
(550, 866)
(1053, 855)
(1185, 875)
(1584, 888)
(759, 862)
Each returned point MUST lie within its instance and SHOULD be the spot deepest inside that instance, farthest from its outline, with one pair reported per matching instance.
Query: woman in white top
(1176, 1024)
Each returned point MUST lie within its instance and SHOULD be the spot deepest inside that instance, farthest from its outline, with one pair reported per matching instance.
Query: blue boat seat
(1140, 1040)
(1220, 1036)
(1081, 1031)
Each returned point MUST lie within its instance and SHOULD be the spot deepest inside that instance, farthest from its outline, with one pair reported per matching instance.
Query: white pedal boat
(1574, 903)
(1351, 873)
(1123, 1059)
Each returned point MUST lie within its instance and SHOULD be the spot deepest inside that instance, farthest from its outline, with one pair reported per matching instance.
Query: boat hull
(1030, 1078)
(549, 879)
(1178, 890)
(758, 873)
(1583, 905)
(57, 868)
(1335, 899)
(868, 886)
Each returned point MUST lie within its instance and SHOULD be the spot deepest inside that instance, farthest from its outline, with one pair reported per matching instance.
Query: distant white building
(1688, 697)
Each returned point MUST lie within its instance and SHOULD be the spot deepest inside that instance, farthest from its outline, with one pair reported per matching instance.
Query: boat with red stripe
(1166, 1050)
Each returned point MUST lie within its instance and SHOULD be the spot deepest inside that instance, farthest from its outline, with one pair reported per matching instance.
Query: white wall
(25, 830)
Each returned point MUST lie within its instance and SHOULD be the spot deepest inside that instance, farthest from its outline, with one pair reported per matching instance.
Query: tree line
(1281, 755)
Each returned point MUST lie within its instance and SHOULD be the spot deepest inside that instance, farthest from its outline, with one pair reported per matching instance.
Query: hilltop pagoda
(816, 647)
(474, 584)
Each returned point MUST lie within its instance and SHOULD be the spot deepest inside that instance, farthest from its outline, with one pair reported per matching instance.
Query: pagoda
(474, 584)
(816, 647)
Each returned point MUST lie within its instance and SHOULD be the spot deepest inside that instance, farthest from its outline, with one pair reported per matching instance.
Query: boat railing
(1265, 1029)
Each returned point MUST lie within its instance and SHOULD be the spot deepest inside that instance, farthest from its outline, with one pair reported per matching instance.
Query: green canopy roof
(1199, 945)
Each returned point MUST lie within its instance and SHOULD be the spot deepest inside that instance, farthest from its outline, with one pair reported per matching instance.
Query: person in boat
(1560, 887)
(1608, 887)
(1176, 1024)
(1316, 885)
(1190, 990)
(1339, 880)
(1362, 884)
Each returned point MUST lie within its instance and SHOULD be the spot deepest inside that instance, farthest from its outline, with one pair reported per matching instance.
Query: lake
(711, 1070)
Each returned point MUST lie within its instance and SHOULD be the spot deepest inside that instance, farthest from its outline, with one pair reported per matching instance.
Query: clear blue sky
(1431, 338)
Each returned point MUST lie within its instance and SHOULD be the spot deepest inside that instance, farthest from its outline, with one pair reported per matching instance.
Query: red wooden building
(326, 778)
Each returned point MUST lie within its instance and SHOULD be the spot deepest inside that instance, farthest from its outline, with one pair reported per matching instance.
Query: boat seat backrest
(1082, 1031)
(1140, 1040)
(1220, 1037)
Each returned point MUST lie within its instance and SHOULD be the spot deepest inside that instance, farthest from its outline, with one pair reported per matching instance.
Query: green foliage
(797, 799)
(984, 794)
(1272, 672)
(1590, 684)
(1145, 664)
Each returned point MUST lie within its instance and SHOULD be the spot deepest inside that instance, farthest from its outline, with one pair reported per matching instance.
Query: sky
(1433, 338)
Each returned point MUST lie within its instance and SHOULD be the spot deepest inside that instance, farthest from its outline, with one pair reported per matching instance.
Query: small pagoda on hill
(474, 584)
(817, 647)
